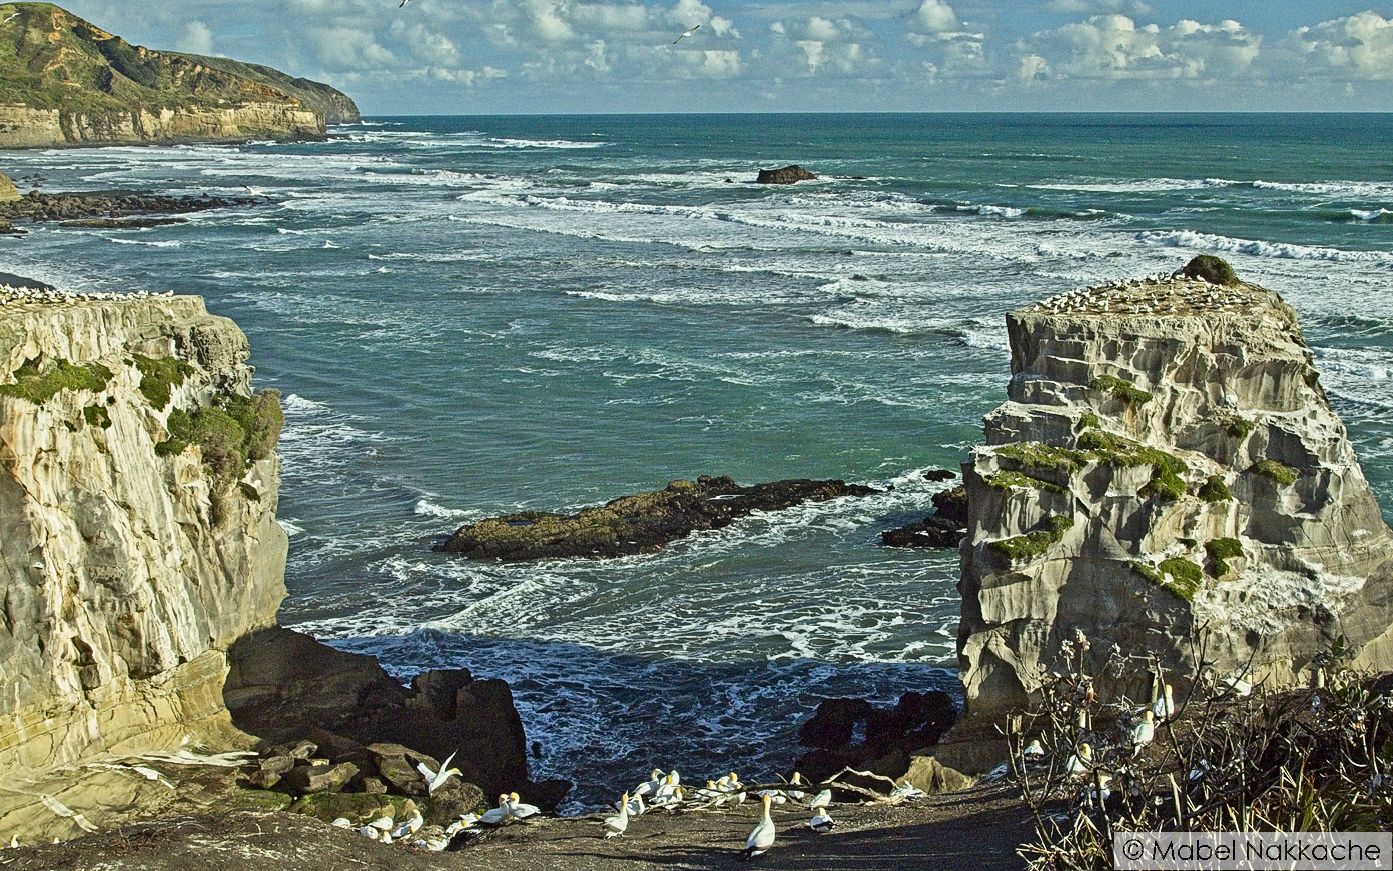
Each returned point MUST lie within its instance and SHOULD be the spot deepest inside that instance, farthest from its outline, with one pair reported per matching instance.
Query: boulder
(932, 531)
(305, 779)
(834, 722)
(283, 686)
(785, 175)
(643, 523)
(951, 504)
(8, 192)
(854, 733)
(933, 777)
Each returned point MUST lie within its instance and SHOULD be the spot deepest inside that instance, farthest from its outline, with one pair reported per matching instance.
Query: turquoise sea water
(474, 315)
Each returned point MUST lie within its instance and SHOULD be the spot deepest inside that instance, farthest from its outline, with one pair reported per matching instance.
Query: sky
(586, 56)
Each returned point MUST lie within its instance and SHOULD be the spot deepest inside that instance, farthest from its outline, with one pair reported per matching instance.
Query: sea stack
(1166, 473)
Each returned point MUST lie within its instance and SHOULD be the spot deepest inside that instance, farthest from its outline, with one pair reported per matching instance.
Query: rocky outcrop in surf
(1167, 476)
(942, 529)
(643, 523)
(108, 208)
(64, 81)
(791, 174)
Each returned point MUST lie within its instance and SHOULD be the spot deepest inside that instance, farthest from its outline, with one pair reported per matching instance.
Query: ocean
(475, 315)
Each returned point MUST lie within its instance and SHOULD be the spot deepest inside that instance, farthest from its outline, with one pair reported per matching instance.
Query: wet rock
(106, 209)
(119, 223)
(951, 505)
(938, 475)
(834, 723)
(943, 529)
(636, 524)
(854, 733)
(785, 175)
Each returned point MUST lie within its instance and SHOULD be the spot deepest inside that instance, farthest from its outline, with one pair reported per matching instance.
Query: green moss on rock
(230, 436)
(1007, 480)
(159, 378)
(1236, 425)
(1043, 457)
(1033, 543)
(1122, 390)
(1178, 576)
(1279, 472)
(1220, 551)
(38, 384)
(1090, 420)
(1167, 481)
(1215, 490)
(97, 416)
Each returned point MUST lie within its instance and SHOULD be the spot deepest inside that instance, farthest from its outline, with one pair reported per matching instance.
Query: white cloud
(1114, 47)
(196, 38)
(710, 63)
(598, 60)
(936, 16)
(1358, 47)
(1090, 7)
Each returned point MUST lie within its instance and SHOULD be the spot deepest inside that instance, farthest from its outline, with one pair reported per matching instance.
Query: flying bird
(437, 779)
(686, 34)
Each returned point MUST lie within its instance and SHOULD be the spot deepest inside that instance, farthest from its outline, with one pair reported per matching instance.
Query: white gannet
(437, 779)
(370, 832)
(432, 838)
(499, 815)
(663, 794)
(1238, 685)
(775, 795)
(1078, 764)
(821, 821)
(655, 780)
(1034, 750)
(409, 826)
(618, 825)
(821, 800)
(459, 825)
(636, 806)
(1099, 791)
(341, 823)
(1163, 706)
(382, 824)
(686, 33)
(403, 4)
(1144, 732)
(14, 842)
(796, 794)
(762, 837)
(520, 809)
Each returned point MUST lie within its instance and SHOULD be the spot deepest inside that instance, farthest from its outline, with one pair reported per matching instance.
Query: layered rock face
(137, 541)
(24, 127)
(1167, 472)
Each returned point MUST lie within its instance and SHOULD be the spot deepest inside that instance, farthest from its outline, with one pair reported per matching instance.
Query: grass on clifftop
(1177, 575)
(1036, 542)
(1122, 390)
(158, 378)
(1007, 480)
(242, 430)
(1279, 472)
(38, 384)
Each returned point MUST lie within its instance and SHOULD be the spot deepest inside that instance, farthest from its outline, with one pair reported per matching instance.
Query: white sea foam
(426, 508)
(1259, 248)
(291, 529)
(1370, 214)
(166, 243)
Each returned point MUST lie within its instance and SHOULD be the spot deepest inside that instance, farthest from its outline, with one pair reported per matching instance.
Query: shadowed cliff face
(64, 81)
(137, 527)
(1167, 471)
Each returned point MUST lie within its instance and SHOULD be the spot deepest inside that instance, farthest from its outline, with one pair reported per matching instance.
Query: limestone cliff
(138, 538)
(64, 81)
(1167, 468)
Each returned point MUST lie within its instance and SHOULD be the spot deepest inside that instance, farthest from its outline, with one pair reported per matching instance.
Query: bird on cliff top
(409, 827)
(688, 32)
(520, 809)
(761, 837)
(821, 822)
(618, 825)
(796, 794)
(1078, 764)
(437, 779)
(650, 786)
(1034, 750)
(636, 806)
(382, 824)
(499, 815)
(821, 800)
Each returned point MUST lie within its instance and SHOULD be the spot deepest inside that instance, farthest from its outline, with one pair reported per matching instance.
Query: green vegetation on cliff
(1177, 576)
(1122, 390)
(1007, 480)
(1215, 270)
(1168, 469)
(52, 59)
(1036, 542)
(1215, 490)
(38, 384)
(229, 436)
(159, 377)
(1279, 472)
(1220, 551)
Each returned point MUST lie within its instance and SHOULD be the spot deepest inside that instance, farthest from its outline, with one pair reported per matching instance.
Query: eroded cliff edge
(1167, 470)
(137, 524)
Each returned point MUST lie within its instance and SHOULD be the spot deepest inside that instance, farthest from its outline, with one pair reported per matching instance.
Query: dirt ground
(976, 829)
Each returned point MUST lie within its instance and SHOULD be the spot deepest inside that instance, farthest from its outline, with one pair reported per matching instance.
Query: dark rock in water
(943, 529)
(834, 723)
(891, 736)
(305, 779)
(636, 524)
(283, 686)
(120, 223)
(785, 175)
(938, 475)
(952, 505)
(8, 229)
(103, 209)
